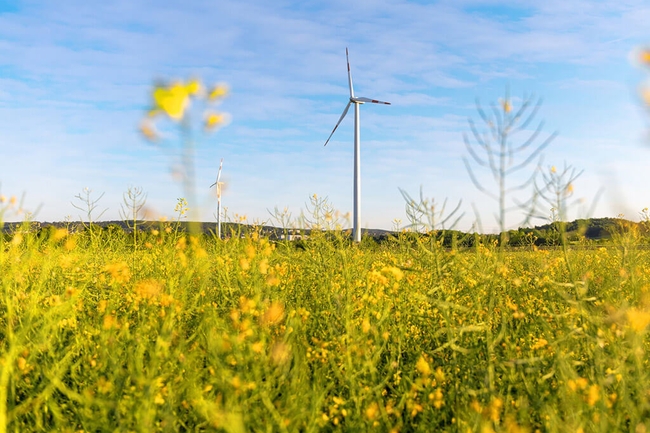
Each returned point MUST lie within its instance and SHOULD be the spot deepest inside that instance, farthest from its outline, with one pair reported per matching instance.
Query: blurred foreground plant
(173, 100)
(426, 215)
(644, 59)
(498, 153)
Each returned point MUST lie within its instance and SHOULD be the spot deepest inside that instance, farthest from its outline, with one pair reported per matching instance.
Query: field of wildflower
(100, 331)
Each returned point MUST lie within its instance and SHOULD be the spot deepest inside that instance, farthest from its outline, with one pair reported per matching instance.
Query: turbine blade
(220, 167)
(218, 174)
(374, 101)
(349, 73)
(347, 107)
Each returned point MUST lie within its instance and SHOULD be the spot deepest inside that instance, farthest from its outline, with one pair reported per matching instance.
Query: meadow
(103, 331)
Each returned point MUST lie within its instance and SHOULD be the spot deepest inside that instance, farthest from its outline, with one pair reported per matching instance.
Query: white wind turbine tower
(218, 184)
(357, 149)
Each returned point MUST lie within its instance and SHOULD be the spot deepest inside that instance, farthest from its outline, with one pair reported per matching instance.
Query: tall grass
(187, 333)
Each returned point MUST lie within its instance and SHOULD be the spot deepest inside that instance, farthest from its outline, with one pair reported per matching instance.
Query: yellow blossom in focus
(553, 169)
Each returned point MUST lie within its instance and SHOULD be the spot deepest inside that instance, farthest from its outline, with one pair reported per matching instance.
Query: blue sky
(76, 77)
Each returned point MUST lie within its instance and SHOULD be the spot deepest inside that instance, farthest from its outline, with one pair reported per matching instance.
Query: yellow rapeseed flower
(395, 272)
(365, 326)
(541, 342)
(148, 289)
(423, 367)
(59, 234)
(212, 120)
(119, 272)
(569, 189)
(172, 100)
(148, 130)
(644, 56)
(507, 106)
(638, 319)
(645, 95)
(593, 395)
(193, 87)
(495, 409)
(217, 92)
(372, 411)
(273, 314)
(264, 266)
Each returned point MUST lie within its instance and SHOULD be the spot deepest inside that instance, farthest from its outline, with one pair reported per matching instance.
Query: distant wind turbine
(218, 185)
(357, 149)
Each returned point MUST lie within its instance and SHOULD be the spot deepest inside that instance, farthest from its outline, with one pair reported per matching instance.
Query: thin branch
(476, 182)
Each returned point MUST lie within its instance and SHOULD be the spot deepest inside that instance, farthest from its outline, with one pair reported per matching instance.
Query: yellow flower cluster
(173, 100)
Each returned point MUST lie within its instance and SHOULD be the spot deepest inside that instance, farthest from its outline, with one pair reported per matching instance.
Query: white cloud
(75, 77)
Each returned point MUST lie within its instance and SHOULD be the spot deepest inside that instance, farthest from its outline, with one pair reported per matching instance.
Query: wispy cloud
(75, 77)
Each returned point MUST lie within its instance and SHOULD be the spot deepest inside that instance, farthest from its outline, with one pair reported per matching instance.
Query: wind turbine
(218, 185)
(357, 149)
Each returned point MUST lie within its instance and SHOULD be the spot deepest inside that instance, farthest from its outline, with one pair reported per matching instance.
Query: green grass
(187, 334)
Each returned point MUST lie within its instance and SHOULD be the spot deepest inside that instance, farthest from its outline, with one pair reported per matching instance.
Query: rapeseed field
(191, 333)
